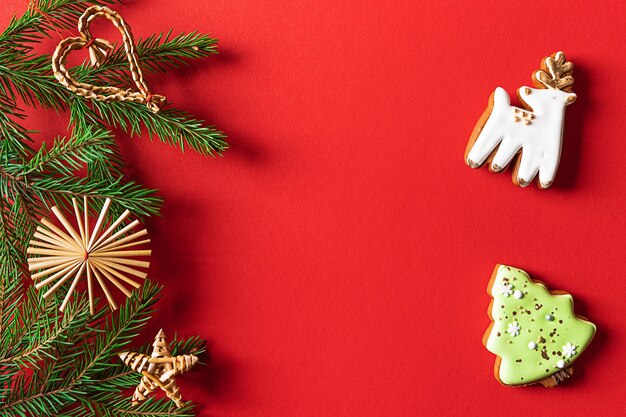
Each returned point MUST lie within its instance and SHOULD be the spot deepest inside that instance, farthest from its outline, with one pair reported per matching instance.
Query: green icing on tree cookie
(534, 332)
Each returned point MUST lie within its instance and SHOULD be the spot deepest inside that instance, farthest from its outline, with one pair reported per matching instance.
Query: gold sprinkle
(526, 122)
(516, 119)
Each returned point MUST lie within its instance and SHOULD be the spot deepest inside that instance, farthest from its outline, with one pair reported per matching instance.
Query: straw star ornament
(158, 370)
(106, 253)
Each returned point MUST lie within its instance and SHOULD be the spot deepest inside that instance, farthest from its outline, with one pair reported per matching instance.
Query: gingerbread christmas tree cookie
(534, 332)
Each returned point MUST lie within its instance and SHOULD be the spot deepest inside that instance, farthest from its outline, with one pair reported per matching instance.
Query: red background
(337, 256)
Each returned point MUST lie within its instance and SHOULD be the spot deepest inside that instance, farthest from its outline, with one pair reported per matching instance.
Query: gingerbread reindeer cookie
(532, 134)
(534, 331)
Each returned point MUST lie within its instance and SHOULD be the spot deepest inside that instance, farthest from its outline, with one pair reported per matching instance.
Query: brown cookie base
(555, 379)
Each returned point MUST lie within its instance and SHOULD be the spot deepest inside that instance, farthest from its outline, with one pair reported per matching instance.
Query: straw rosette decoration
(108, 253)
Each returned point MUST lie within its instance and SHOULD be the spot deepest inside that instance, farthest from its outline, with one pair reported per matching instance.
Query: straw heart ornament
(107, 252)
(98, 52)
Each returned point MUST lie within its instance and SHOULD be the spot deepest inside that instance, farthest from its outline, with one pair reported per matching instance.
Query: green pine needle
(54, 363)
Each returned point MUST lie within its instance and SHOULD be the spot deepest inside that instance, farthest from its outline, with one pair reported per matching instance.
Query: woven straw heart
(98, 51)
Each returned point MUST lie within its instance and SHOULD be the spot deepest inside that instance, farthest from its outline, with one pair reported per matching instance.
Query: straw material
(107, 252)
(98, 52)
(158, 370)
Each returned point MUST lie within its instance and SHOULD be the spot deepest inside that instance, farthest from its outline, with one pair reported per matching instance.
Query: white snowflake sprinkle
(569, 350)
(505, 289)
(513, 329)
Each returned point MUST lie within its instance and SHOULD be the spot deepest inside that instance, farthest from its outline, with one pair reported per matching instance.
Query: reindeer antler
(555, 73)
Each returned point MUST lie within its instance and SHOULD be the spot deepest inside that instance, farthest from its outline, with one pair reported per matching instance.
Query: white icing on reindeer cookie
(535, 132)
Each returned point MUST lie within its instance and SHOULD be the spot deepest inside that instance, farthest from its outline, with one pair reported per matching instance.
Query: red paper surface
(337, 256)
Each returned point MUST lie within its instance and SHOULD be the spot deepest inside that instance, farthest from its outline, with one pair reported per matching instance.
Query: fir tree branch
(120, 406)
(158, 53)
(84, 361)
(49, 178)
(14, 139)
(34, 25)
(66, 364)
(29, 77)
(120, 330)
(47, 331)
(27, 400)
(43, 335)
(125, 195)
(171, 126)
(10, 297)
(12, 254)
(31, 80)
(107, 169)
(68, 156)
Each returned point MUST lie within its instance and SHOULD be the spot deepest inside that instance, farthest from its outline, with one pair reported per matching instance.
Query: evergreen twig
(54, 363)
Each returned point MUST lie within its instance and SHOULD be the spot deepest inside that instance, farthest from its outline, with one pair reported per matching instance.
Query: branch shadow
(182, 264)
(241, 144)
(217, 378)
(178, 262)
